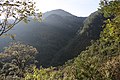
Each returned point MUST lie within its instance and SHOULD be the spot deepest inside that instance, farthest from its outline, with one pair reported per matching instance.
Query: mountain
(49, 36)
(60, 12)
(90, 31)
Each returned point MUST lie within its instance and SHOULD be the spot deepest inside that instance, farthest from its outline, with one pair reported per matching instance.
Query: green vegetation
(17, 11)
(90, 31)
(16, 60)
(62, 73)
(48, 36)
(100, 61)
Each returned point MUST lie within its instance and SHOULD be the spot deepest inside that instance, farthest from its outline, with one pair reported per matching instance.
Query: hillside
(101, 59)
(86, 51)
(48, 36)
(90, 31)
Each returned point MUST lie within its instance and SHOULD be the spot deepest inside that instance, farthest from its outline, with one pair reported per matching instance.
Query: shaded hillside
(90, 31)
(49, 36)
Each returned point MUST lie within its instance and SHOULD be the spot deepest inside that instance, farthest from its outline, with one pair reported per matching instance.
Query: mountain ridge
(48, 36)
(60, 12)
(90, 31)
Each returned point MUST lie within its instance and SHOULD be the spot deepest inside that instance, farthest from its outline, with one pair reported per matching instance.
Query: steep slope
(49, 36)
(90, 31)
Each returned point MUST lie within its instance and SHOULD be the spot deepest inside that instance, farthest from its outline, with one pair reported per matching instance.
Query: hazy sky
(76, 7)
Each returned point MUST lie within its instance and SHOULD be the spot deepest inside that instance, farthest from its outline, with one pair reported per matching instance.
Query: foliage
(88, 64)
(43, 74)
(111, 68)
(17, 10)
(111, 33)
(52, 73)
(18, 58)
(101, 60)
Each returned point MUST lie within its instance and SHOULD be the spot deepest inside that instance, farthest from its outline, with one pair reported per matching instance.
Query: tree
(110, 36)
(111, 11)
(16, 60)
(101, 60)
(17, 10)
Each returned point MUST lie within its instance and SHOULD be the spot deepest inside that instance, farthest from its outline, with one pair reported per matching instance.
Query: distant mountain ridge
(60, 12)
(49, 36)
(59, 37)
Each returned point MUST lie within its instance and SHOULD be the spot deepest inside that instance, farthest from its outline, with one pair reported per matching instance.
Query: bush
(16, 60)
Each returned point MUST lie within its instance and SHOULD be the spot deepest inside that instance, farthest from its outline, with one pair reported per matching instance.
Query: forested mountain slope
(100, 60)
(90, 31)
(49, 35)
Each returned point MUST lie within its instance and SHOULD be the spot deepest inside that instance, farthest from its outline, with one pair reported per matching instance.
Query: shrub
(16, 60)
